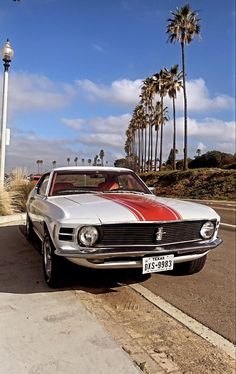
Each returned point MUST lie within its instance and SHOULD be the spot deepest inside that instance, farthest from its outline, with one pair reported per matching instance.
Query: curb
(189, 322)
(12, 218)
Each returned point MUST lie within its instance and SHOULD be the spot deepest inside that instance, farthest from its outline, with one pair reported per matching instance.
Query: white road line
(193, 325)
(227, 225)
(223, 208)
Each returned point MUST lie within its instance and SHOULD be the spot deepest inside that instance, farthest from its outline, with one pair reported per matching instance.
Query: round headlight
(207, 230)
(88, 236)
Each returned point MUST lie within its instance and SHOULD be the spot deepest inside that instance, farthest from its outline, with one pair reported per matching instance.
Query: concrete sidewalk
(44, 331)
(53, 333)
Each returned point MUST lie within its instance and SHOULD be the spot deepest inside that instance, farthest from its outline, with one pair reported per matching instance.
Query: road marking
(227, 225)
(226, 209)
(193, 325)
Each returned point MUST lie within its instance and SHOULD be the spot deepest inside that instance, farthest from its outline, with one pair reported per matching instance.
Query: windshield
(73, 182)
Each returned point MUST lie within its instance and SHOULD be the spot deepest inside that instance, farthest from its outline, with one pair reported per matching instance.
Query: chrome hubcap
(47, 257)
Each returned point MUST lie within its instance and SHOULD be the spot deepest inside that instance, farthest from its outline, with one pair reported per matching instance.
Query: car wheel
(51, 262)
(191, 267)
(29, 228)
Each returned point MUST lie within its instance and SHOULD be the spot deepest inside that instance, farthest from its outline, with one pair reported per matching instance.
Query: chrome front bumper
(114, 258)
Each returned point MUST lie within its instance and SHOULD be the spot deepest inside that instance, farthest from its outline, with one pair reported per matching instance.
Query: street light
(7, 55)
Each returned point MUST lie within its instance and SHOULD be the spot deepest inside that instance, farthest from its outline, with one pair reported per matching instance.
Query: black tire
(52, 264)
(30, 235)
(191, 267)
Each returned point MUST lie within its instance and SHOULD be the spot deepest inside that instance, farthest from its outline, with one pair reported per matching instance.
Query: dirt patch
(155, 341)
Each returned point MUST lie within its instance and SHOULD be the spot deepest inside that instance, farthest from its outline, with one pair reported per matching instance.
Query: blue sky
(78, 68)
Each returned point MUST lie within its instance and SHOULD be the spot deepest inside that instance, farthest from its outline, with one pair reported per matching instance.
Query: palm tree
(95, 160)
(68, 160)
(173, 82)
(41, 166)
(141, 124)
(54, 164)
(183, 27)
(160, 88)
(38, 162)
(101, 155)
(147, 91)
(198, 152)
(157, 119)
(75, 161)
(130, 148)
(89, 161)
(82, 159)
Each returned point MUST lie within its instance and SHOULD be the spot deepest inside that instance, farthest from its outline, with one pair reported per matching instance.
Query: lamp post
(7, 55)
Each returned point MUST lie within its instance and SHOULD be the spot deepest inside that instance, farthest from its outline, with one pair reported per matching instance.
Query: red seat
(62, 186)
(108, 186)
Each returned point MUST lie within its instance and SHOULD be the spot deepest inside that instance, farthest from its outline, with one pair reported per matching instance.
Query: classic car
(107, 218)
(34, 178)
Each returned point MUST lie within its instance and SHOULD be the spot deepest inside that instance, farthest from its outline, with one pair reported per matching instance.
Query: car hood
(128, 207)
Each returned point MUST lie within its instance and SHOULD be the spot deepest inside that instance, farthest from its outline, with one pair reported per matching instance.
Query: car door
(38, 202)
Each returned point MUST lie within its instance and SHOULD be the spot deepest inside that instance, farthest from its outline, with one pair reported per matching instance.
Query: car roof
(91, 168)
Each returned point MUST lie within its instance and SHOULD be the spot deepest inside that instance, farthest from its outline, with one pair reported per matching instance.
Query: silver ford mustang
(106, 217)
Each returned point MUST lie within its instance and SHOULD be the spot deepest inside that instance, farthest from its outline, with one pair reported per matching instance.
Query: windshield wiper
(121, 190)
(75, 191)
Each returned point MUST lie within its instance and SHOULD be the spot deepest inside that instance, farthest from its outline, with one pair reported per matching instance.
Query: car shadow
(21, 269)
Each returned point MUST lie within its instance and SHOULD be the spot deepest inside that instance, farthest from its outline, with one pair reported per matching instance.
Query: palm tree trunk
(161, 140)
(174, 135)
(139, 147)
(145, 148)
(185, 166)
(151, 142)
(157, 134)
(142, 149)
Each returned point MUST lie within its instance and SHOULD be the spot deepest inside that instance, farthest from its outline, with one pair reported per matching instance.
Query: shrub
(212, 159)
(19, 188)
(5, 202)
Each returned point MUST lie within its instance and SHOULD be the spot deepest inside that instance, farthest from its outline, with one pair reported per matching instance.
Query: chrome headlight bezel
(88, 236)
(208, 230)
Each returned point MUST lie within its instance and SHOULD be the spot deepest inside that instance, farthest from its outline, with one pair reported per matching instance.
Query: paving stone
(147, 365)
(167, 364)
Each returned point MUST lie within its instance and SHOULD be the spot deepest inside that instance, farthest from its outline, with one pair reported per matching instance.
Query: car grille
(146, 233)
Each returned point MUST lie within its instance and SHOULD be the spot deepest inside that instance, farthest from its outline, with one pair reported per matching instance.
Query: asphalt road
(208, 296)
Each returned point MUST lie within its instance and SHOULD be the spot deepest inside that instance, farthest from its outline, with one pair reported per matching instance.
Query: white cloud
(127, 92)
(110, 124)
(26, 148)
(199, 99)
(97, 47)
(202, 147)
(32, 92)
(206, 134)
(103, 140)
(120, 92)
(101, 131)
(75, 123)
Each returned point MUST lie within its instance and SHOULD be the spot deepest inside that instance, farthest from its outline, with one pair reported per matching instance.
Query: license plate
(159, 263)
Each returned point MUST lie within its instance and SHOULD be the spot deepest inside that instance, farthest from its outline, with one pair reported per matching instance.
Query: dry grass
(15, 193)
(5, 202)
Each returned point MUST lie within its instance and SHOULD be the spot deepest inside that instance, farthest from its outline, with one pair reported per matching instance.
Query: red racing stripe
(143, 208)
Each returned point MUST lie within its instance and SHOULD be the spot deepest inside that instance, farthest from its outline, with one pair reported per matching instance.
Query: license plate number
(157, 264)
